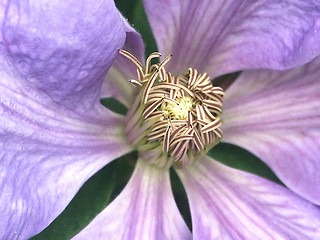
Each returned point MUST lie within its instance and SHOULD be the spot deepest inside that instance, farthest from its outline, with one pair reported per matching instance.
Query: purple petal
(46, 154)
(226, 35)
(144, 210)
(61, 49)
(230, 204)
(275, 115)
(116, 83)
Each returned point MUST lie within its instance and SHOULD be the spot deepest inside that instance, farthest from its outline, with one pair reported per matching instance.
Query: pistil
(174, 119)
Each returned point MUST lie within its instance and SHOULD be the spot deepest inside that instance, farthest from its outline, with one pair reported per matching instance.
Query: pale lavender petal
(61, 49)
(230, 204)
(46, 154)
(226, 35)
(144, 210)
(276, 116)
(116, 84)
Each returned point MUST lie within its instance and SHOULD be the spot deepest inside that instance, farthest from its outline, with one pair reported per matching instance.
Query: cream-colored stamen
(174, 118)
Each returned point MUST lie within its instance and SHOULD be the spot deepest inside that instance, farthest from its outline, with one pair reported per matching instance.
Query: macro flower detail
(175, 119)
(55, 134)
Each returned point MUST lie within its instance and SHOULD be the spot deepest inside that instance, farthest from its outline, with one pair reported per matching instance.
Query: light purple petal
(226, 35)
(144, 210)
(46, 154)
(61, 49)
(276, 116)
(230, 204)
(116, 84)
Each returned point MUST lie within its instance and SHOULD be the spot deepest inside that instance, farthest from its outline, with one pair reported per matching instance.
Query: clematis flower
(55, 134)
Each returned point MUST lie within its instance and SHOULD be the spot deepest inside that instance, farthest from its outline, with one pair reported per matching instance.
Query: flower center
(174, 119)
(179, 110)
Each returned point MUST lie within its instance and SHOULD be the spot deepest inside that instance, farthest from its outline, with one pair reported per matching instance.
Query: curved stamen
(148, 62)
(132, 58)
(182, 112)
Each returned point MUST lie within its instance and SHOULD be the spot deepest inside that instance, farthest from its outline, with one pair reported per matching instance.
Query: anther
(135, 82)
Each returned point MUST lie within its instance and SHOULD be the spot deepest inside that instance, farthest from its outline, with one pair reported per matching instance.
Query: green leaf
(123, 173)
(114, 105)
(239, 158)
(126, 7)
(181, 198)
(89, 201)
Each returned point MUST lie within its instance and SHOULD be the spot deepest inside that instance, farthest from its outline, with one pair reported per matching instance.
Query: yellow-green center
(178, 111)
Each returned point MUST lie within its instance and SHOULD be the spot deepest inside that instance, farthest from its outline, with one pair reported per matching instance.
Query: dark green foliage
(114, 105)
(240, 158)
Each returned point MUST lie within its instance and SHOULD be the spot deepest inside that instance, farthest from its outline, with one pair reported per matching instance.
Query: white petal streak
(46, 153)
(231, 204)
(224, 36)
(279, 112)
(144, 210)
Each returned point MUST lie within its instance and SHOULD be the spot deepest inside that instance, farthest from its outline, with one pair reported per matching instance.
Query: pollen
(173, 119)
(179, 110)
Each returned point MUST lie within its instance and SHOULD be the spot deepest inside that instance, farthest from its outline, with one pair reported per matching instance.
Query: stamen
(140, 74)
(189, 120)
(135, 82)
(178, 122)
(178, 131)
(166, 139)
(148, 87)
(181, 138)
(147, 111)
(202, 122)
(166, 86)
(207, 89)
(154, 115)
(211, 126)
(192, 77)
(204, 78)
(171, 101)
(200, 112)
(208, 114)
(160, 124)
(212, 104)
(218, 132)
(165, 61)
(156, 135)
(197, 141)
(176, 118)
(132, 58)
(148, 62)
